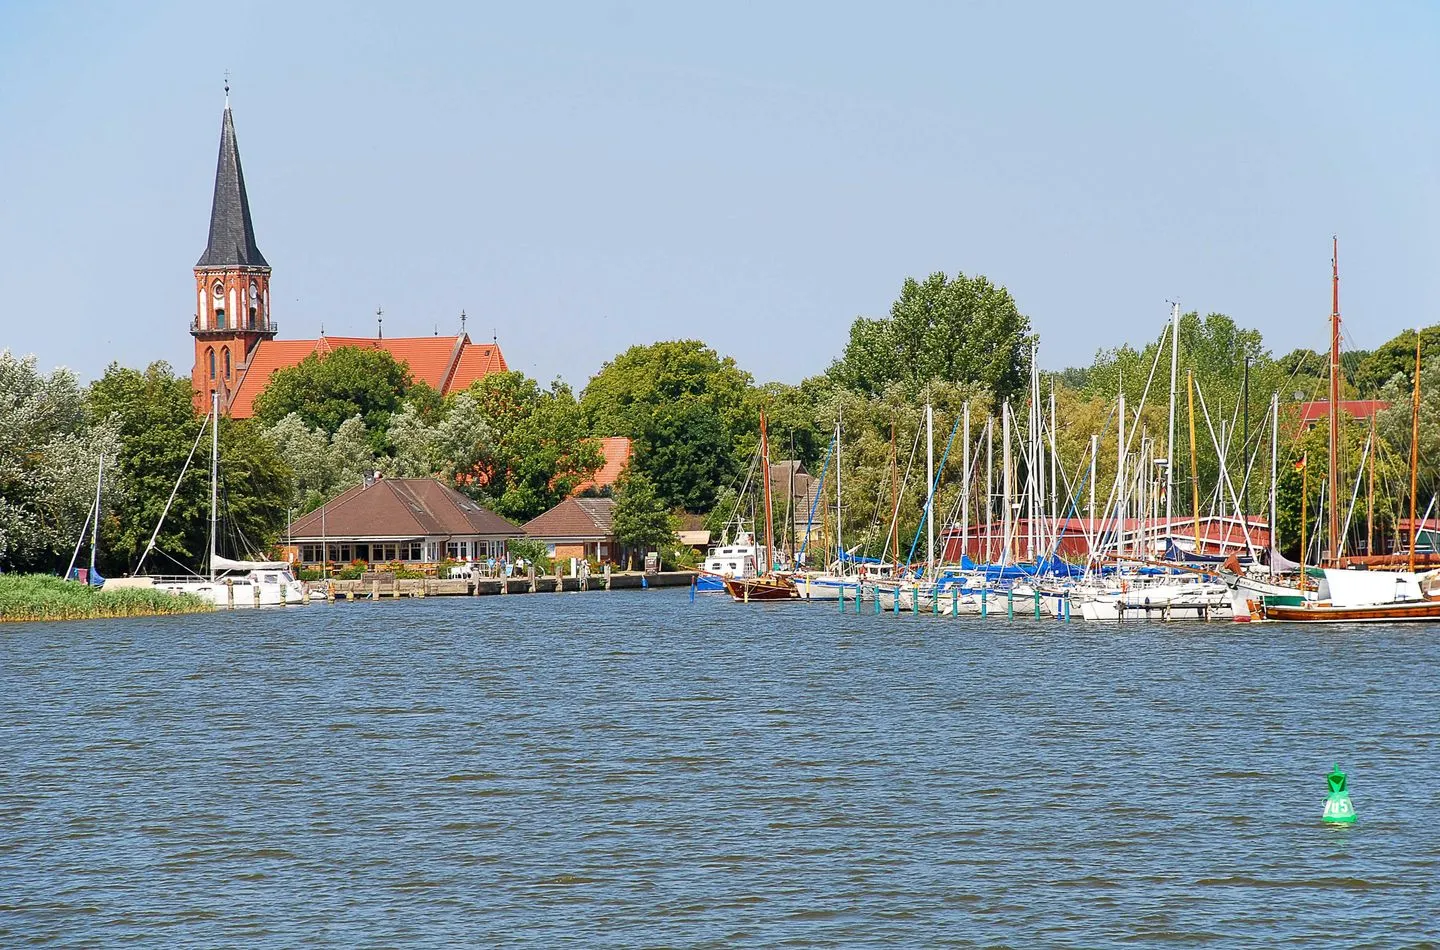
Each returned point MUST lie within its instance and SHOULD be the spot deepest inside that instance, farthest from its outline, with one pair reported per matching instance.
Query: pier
(381, 585)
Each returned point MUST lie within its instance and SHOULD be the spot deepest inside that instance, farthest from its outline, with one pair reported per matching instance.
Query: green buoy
(1338, 809)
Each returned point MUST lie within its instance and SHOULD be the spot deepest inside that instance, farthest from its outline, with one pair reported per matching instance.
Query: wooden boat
(765, 587)
(768, 585)
(1414, 611)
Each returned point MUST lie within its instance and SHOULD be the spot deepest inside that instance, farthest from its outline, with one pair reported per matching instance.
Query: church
(236, 349)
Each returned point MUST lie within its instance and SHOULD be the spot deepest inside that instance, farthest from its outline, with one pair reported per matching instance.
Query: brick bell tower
(232, 282)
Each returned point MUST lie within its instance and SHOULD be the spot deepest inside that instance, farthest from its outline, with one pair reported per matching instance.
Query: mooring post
(530, 573)
(984, 602)
(607, 576)
(955, 601)
(374, 590)
(255, 592)
(1037, 603)
(230, 593)
(1010, 604)
(842, 598)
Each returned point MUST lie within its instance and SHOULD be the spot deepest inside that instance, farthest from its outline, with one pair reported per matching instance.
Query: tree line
(520, 447)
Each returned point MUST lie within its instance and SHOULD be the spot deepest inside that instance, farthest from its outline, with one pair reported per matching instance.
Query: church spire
(232, 235)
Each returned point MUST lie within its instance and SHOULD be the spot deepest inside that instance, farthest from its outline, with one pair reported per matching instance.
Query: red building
(233, 328)
(1217, 536)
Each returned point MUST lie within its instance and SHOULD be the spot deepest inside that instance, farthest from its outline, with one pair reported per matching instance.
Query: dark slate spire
(232, 235)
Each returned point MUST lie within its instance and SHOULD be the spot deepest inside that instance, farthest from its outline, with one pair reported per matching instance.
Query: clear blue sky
(582, 177)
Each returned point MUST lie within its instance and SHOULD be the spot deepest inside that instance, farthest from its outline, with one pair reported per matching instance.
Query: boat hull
(745, 590)
(1421, 611)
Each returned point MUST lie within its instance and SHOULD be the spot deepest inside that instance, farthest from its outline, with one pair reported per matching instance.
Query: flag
(1300, 463)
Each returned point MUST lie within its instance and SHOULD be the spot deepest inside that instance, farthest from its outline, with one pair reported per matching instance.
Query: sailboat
(768, 584)
(1363, 596)
(232, 583)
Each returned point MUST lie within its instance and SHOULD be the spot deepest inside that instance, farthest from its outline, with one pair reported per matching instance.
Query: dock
(381, 585)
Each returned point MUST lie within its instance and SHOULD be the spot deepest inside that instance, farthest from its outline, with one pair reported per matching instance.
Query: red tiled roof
(1356, 408)
(445, 362)
(400, 508)
(574, 519)
(617, 450)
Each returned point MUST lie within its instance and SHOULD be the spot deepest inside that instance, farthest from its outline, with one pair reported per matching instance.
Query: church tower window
(226, 352)
(210, 354)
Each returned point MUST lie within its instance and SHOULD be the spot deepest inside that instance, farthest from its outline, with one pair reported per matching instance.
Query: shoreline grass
(26, 597)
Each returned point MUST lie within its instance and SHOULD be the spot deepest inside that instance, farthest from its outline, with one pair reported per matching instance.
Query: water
(631, 769)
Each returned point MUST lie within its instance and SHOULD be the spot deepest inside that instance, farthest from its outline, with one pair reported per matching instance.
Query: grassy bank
(42, 597)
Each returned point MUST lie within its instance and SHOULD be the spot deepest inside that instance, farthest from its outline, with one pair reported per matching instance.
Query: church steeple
(232, 282)
(232, 233)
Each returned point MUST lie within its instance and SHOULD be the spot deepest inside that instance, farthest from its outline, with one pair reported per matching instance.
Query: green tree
(651, 393)
(540, 448)
(326, 389)
(322, 465)
(959, 330)
(158, 427)
(1393, 358)
(49, 454)
(641, 518)
(454, 441)
(686, 455)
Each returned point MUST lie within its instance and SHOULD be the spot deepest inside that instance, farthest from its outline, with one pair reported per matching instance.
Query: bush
(352, 571)
(309, 574)
(402, 571)
(532, 551)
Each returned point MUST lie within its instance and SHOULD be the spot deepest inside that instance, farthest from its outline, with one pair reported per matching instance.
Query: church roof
(232, 234)
(446, 363)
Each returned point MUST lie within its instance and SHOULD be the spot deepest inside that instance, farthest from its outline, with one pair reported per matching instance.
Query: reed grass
(42, 597)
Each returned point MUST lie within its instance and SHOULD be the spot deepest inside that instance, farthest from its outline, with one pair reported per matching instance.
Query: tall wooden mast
(1333, 534)
(769, 509)
(1414, 448)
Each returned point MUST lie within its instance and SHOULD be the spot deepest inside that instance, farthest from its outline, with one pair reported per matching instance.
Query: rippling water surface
(632, 769)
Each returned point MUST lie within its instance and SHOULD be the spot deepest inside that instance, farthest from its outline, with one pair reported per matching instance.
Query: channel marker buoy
(1338, 809)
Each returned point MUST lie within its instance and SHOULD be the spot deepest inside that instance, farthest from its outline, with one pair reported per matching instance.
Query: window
(226, 352)
(413, 551)
(220, 318)
(252, 318)
(210, 355)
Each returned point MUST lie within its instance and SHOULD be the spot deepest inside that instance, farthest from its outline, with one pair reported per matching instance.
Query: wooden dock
(379, 586)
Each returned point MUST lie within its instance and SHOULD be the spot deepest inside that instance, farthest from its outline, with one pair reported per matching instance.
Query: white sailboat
(232, 583)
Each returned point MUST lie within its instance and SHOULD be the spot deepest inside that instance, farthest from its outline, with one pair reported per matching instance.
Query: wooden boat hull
(1410, 612)
(745, 590)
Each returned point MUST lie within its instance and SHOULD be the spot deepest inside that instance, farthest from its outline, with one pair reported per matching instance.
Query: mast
(1120, 485)
(1304, 512)
(1274, 454)
(929, 488)
(1005, 477)
(839, 543)
(965, 480)
(1194, 463)
(990, 487)
(1370, 491)
(1414, 448)
(1094, 459)
(95, 522)
(1170, 437)
(769, 512)
(895, 496)
(1333, 533)
(214, 473)
(1054, 481)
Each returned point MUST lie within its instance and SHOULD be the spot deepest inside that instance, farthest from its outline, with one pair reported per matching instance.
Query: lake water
(631, 769)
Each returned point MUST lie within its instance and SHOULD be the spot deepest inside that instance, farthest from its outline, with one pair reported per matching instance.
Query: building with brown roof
(411, 520)
(236, 351)
(578, 528)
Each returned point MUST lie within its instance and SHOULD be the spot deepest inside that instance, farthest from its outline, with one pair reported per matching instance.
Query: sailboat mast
(839, 545)
(990, 487)
(1274, 506)
(895, 496)
(1333, 534)
(1170, 437)
(214, 472)
(1054, 480)
(1194, 463)
(965, 481)
(929, 488)
(1414, 448)
(769, 512)
(1007, 523)
(1121, 509)
(95, 522)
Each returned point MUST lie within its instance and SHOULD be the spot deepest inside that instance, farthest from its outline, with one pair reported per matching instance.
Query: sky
(579, 178)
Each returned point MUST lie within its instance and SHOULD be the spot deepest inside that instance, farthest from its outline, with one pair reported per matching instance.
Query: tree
(455, 441)
(641, 519)
(326, 389)
(1392, 358)
(961, 330)
(49, 454)
(539, 449)
(686, 455)
(158, 428)
(322, 465)
(652, 393)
